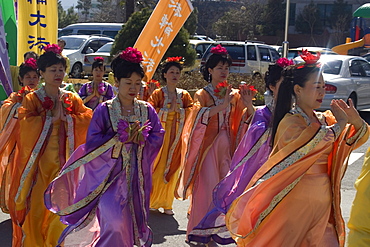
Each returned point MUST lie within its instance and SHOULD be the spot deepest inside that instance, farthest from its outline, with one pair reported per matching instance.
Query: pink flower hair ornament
(219, 50)
(53, 48)
(99, 59)
(31, 62)
(131, 55)
(284, 62)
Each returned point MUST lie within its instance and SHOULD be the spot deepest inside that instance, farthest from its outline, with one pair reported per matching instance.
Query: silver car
(103, 52)
(346, 77)
(79, 45)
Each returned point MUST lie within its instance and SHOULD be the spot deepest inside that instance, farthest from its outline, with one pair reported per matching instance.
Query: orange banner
(160, 30)
(37, 25)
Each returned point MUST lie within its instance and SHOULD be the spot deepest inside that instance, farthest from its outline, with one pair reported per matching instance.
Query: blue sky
(68, 3)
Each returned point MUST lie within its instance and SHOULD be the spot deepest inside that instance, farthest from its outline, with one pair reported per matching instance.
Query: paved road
(169, 231)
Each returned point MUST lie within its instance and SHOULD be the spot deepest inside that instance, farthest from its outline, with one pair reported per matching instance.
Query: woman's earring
(209, 78)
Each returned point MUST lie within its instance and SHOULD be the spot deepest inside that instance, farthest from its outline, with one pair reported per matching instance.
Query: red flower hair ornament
(284, 62)
(131, 55)
(309, 59)
(219, 50)
(53, 48)
(31, 62)
(174, 59)
(99, 59)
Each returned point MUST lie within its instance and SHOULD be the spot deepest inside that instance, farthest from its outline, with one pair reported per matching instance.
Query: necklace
(127, 111)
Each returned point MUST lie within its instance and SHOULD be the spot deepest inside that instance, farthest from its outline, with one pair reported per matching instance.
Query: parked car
(104, 29)
(77, 46)
(200, 46)
(346, 77)
(103, 52)
(202, 37)
(366, 56)
(252, 58)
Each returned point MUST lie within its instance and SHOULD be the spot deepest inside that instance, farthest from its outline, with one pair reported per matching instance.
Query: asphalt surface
(170, 231)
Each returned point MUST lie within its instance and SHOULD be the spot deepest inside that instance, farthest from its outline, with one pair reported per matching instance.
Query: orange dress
(8, 136)
(167, 164)
(44, 144)
(294, 198)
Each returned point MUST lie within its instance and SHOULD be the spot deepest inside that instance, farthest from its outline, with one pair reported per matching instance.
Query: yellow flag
(160, 30)
(37, 25)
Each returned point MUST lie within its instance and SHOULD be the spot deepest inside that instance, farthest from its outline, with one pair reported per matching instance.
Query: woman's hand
(134, 134)
(247, 95)
(151, 87)
(339, 113)
(228, 97)
(173, 107)
(353, 115)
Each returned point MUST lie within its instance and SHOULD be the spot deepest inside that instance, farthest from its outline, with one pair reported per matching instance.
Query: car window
(265, 54)
(105, 48)
(65, 32)
(88, 32)
(93, 44)
(356, 68)
(366, 68)
(110, 34)
(292, 54)
(275, 54)
(251, 52)
(73, 43)
(332, 67)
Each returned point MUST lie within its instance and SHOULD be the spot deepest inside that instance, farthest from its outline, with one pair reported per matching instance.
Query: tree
(109, 11)
(192, 22)
(128, 35)
(308, 21)
(85, 7)
(66, 18)
(242, 23)
(273, 17)
(340, 19)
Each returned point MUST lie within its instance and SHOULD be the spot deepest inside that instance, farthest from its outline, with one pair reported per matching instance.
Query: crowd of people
(97, 162)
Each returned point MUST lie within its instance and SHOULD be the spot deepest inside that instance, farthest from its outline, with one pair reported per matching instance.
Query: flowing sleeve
(83, 91)
(156, 100)
(81, 119)
(109, 94)
(193, 136)
(31, 117)
(297, 147)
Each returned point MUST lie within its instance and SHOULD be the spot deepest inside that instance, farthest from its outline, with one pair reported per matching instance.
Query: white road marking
(353, 157)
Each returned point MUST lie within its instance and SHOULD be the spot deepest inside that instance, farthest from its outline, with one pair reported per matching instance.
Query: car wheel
(353, 97)
(76, 70)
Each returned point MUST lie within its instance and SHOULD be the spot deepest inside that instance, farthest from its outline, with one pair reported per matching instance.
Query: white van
(106, 29)
(249, 57)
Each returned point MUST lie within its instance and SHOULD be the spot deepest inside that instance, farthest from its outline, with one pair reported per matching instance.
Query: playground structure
(359, 40)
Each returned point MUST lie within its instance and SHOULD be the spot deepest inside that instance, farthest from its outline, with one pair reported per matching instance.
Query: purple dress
(251, 154)
(109, 179)
(106, 94)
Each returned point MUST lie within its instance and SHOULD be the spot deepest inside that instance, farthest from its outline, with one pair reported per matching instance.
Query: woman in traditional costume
(294, 198)
(96, 91)
(52, 123)
(251, 153)
(172, 105)
(209, 135)
(359, 219)
(111, 175)
(9, 126)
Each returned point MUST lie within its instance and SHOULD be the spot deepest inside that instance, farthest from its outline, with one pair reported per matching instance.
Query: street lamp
(285, 42)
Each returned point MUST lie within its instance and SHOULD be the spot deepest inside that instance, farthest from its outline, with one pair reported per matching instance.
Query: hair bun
(99, 59)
